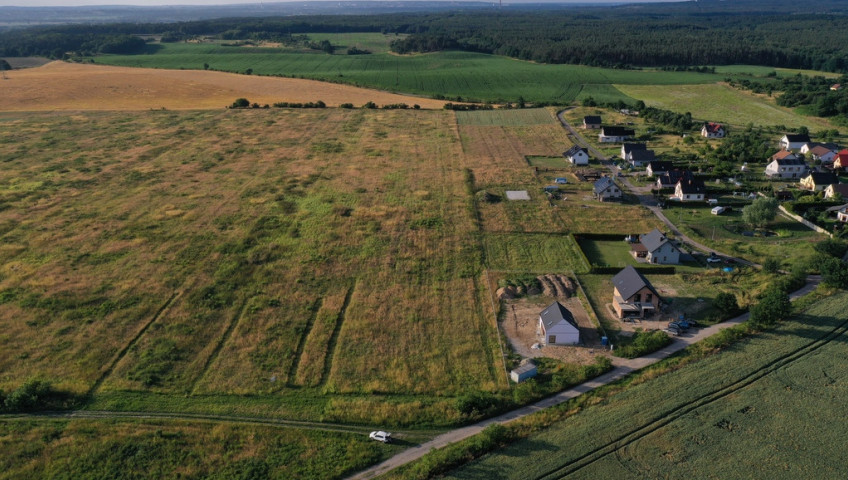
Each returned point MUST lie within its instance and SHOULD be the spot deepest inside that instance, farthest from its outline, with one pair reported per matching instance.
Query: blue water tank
(604, 341)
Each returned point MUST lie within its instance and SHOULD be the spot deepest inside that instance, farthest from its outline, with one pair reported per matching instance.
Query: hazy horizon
(159, 3)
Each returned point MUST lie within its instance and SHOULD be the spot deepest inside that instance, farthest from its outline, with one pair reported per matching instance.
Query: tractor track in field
(123, 352)
(636, 434)
(219, 345)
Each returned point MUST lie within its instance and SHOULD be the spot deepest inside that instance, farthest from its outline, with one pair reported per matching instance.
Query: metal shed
(523, 372)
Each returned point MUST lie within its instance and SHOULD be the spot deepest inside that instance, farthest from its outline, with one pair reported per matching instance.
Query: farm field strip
(670, 416)
(130, 344)
(219, 345)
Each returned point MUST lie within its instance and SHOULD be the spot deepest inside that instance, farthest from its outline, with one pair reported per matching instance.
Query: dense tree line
(825, 97)
(685, 35)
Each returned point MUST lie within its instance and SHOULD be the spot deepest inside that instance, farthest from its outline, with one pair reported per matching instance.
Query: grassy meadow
(722, 103)
(76, 449)
(237, 253)
(783, 384)
(448, 74)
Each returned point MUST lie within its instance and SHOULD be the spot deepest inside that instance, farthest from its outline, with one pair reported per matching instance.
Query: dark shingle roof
(592, 120)
(660, 166)
(574, 151)
(602, 184)
(692, 185)
(797, 138)
(556, 313)
(823, 178)
(653, 240)
(617, 132)
(642, 155)
(630, 281)
(630, 147)
(790, 162)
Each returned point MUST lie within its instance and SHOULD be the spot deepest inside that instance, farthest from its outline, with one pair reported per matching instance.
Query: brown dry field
(60, 86)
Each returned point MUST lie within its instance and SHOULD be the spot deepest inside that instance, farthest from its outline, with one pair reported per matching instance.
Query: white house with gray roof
(655, 247)
(605, 189)
(577, 155)
(557, 326)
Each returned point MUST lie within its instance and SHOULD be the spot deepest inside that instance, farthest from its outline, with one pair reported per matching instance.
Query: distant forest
(757, 32)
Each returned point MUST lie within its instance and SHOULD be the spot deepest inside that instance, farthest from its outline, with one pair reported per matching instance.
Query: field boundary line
(676, 413)
(220, 345)
(333, 342)
(310, 324)
(123, 352)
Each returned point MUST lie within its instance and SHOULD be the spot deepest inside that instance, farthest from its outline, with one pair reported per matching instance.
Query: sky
(71, 3)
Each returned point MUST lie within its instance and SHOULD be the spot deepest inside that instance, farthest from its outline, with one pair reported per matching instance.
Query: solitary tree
(773, 306)
(759, 213)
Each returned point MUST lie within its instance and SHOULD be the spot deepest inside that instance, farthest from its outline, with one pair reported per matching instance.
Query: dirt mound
(559, 286)
(506, 293)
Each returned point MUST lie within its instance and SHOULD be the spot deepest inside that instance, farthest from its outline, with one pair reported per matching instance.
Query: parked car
(381, 436)
(713, 258)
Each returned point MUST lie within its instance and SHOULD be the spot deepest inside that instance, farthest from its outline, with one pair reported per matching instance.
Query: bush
(771, 265)
(727, 304)
(772, 307)
(240, 103)
(478, 403)
(832, 247)
(33, 395)
(643, 343)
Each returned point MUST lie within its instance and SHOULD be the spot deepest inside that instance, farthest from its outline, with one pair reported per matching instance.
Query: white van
(717, 210)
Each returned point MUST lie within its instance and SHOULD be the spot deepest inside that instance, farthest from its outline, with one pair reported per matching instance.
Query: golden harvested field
(240, 252)
(60, 86)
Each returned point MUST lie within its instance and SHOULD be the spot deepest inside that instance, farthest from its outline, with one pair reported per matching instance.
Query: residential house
(836, 188)
(840, 162)
(818, 181)
(789, 166)
(615, 134)
(627, 150)
(712, 130)
(640, 158)
(836, 86)
(658, 167)
(690, 190)
(577, 155)
(670, 178)
(558, 326)
(794, 142)
(820, 153)
(605, 189)
(633, 295)
(592, 122)
(655, 247)
(842, 214)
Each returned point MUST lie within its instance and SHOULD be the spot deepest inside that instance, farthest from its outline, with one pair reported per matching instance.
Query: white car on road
(381, 436)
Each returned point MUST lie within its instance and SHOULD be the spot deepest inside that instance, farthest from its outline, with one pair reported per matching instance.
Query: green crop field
(448, 74)
(721, 103)
(765, 408)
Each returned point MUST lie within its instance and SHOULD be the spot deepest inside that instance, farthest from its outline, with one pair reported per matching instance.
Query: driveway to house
(644, 194)
(621, 368)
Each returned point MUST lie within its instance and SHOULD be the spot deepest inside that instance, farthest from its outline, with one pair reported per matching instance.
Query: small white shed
(558, 326)
(523, 372)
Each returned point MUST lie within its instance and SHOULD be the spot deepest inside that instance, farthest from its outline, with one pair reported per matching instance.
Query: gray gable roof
(556, 313)
(603, 183)
(630, 281)
(574, 151)
(653, 240)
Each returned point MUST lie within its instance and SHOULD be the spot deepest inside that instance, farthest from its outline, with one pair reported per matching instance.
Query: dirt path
(622, 368)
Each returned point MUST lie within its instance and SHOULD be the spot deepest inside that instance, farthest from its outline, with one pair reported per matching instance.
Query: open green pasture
(722, 103)
(237, 253)
(614, 253)
(765, 407)
(448, 74)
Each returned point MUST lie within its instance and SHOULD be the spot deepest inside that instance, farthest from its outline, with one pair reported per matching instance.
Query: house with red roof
(712, 130)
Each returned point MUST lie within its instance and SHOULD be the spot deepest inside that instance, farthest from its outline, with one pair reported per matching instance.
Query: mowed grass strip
(793, 403)
(505, 118)
(538, 253)
(312, 364)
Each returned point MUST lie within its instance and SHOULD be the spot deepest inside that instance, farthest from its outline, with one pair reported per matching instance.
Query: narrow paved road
(622, 367)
